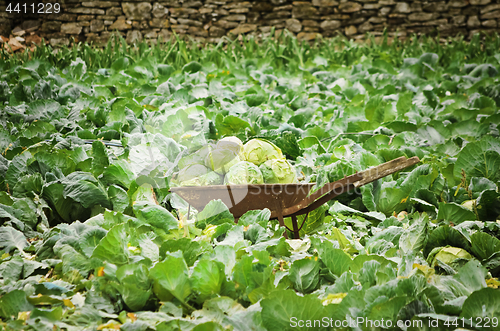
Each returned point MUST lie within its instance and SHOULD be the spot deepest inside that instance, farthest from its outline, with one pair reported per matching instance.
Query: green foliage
(91, 140)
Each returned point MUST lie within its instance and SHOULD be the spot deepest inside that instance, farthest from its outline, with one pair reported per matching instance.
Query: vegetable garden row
(91, 141)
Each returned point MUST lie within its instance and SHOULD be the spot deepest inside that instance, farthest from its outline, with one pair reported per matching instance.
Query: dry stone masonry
(209, 20)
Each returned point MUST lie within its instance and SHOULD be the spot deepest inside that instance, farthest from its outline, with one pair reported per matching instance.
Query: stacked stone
(210, 20)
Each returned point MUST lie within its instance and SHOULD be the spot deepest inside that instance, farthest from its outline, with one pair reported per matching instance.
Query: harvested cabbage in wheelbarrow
(278, 171)
(243, 172)
(220, 160)
(233, 163)
(259, 151)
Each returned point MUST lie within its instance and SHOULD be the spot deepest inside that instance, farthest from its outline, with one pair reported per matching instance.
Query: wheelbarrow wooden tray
(285, 200)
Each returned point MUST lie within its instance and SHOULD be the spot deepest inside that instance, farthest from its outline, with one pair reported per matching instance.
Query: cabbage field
(91, 140)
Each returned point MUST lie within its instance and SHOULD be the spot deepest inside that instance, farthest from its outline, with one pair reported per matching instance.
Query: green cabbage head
(196, 157)
(220, 160)
(278, 171)
(192, 171)
(243, 173)
(259, 151)
(211, 178)
(231, 143)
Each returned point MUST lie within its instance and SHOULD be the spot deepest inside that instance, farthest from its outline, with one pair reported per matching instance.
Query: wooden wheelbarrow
(285, 200)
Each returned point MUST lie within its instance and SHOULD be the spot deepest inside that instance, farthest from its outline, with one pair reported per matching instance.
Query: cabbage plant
(220, 160)
(278, 171)
(211, 178)
(192, 171)
(243, 173)
(232, 143)
(259, 151)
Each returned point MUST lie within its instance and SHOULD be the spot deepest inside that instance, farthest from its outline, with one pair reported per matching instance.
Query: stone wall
(209, 20)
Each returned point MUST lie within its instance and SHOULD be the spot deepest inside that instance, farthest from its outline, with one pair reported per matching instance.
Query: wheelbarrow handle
(385, 169)
(322, 195)
(332, 190)
(339, 186)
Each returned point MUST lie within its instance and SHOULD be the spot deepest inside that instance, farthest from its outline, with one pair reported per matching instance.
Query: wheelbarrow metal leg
(296, 230)
(279, 211)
